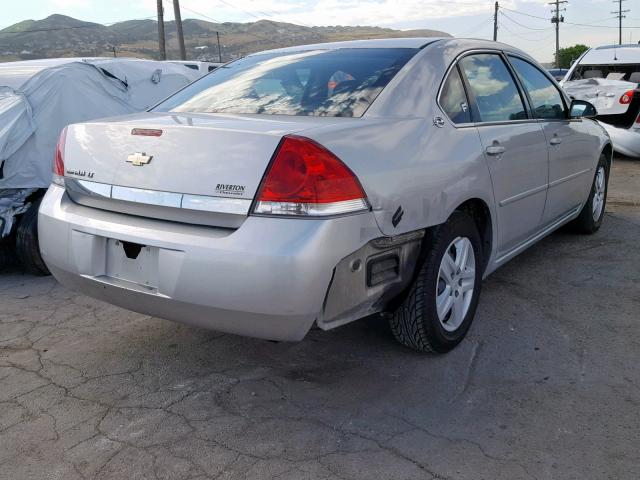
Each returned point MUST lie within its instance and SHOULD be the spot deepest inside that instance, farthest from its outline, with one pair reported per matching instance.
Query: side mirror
(582, 109)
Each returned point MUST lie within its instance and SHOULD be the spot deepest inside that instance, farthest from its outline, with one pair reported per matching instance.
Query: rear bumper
(625, 141)
(267, 279)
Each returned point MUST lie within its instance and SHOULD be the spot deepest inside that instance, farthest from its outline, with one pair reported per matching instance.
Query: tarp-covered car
(37, 100)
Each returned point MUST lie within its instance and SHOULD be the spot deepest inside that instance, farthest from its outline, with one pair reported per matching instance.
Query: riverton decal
(228, 189)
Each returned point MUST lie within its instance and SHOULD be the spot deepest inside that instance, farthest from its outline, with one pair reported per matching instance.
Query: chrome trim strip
(95, 188)
(202, 203)
(569, 177)
(149, 197)
(238, 206)
(522, 195)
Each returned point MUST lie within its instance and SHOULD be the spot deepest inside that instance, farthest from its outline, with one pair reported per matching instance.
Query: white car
(608, 77)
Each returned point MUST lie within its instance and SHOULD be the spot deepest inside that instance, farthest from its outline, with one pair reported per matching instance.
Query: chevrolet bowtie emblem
(138, 159)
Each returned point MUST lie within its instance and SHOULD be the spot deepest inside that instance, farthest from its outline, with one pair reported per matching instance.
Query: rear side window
(335, 83)
(493, 87)
(453, 99)
(546, 100)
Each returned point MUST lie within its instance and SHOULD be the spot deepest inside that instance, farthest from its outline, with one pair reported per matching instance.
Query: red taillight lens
(626, 97)
(305, 178)
(58, 159)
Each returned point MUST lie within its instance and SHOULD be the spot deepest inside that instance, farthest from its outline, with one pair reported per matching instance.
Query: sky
(523, 23)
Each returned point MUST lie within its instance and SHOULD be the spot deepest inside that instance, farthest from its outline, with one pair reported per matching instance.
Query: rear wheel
(436, 314)
(27, 246)
(592, 214)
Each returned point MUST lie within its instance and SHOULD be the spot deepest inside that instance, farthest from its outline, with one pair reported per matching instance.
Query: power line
(271, 40)
(569, 23)
(199, 13)
(522, 25)
(229, 4)
(521, 36)
(475, 27)
(525, 14)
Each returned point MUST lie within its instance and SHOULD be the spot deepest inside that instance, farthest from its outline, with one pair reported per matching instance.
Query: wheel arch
(476, 208)
(607, 150)
(479, 210)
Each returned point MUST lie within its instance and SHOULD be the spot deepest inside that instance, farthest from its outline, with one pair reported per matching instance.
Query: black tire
(585, 223)
(27, 248)
(415, 323)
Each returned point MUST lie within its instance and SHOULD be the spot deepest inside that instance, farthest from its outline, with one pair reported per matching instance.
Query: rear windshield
(613, 72)
(334, 83)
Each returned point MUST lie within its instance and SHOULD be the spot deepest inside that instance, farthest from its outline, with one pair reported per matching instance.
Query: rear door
(571, 146)
(514, 145)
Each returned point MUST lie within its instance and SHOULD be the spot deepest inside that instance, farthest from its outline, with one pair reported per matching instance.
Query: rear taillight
(306, 179)
(58, 159)
(626, 97)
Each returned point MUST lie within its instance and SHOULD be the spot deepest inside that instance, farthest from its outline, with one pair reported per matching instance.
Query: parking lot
(546, 386)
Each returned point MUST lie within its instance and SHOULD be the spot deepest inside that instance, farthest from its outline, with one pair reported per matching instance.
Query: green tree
(569, 54)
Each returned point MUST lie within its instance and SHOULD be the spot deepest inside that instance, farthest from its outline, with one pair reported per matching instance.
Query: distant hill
(62, 36)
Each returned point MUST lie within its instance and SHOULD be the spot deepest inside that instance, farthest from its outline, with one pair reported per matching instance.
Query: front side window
(335, 83)
(453, 99)
(495, 91)
(546, 100)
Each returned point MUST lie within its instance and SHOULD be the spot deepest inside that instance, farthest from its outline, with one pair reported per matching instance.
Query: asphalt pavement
(546, 386)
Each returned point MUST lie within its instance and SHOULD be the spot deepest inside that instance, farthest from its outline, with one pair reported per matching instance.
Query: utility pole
(178, 17)
(219, 51)
(495, 23)
(163, 51)
(557, 19)
(620, 14)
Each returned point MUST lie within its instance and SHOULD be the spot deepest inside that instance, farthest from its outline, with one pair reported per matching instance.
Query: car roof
(412, 42)
(612, 54)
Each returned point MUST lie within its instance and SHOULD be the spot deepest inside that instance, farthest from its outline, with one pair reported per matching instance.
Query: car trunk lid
(196, 168)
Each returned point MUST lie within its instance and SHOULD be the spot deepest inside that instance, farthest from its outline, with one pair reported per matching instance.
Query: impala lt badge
(139, 159)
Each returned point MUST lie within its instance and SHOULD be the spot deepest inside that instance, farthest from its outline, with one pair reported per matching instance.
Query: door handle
(555, 140)
(495, 150)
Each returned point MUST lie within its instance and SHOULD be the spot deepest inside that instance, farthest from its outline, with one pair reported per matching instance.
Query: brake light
(626, 97)
(58, 160)
(304, 178)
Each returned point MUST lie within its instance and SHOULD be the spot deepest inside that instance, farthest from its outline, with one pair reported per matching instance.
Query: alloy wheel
(456, 281)
(598, 195)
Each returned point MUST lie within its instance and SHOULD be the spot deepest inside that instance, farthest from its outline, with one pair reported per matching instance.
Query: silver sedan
(323, 183)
